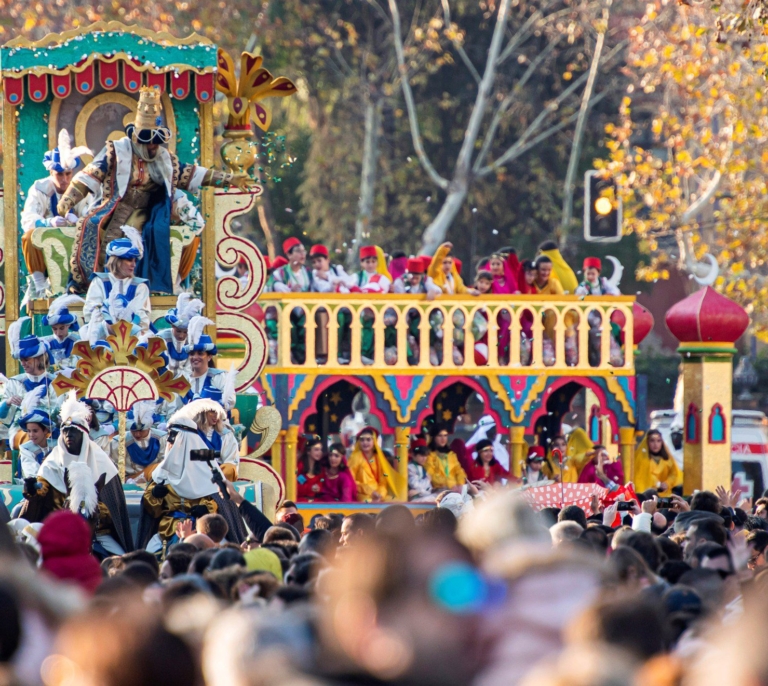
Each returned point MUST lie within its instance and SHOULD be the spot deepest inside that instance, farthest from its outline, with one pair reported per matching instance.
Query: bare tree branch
(513, 151)
(458, 46)
(557, 127)
(409, 101)
(573, 161)
(483, 91)
(505, 104)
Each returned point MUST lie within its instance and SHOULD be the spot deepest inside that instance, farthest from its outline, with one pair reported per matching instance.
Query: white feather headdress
(121, 310)
(228, 395)
(68, 154)
(188, 307)
(196, 329)
(31, 400)
(143, 413)
(134, 236)
(196, 408)
(14, 335)
(73, 411)
(63, 301)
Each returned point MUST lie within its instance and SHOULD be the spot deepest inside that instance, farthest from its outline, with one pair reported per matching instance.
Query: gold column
(121, 429)
(11, 219)
(402, 440)
(517, 449)
(291, 440)
(707, 379)
(277, 454)
(209, 212)
(627, 451)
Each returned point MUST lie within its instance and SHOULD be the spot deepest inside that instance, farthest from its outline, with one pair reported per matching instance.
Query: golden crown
(149, 108)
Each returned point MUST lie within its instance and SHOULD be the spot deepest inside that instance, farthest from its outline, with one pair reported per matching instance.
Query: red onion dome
(706, 316)
(643, 322)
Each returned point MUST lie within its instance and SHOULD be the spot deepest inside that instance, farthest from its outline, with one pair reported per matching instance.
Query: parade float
(87, 82)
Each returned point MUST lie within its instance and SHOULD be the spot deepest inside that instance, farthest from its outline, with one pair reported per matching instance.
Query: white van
(749, 447)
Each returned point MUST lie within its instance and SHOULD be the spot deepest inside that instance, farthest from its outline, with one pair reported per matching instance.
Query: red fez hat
(536, 451)
(267, 262)
(457, 262)
(368, 251)
(426, 260)
(290, 243)
(318, 250)
(593, 263)
(278, 262)
(415, 266)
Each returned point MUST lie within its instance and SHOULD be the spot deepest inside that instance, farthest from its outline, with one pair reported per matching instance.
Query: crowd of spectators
(492, 593)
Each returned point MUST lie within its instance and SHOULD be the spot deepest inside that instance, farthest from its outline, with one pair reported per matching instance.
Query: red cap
(368, 251)
(278, 262)
(418, 442)
(593, 263)
(289, 244)
(318, 250)
(415, 266)
(536, 451)
(457, 262)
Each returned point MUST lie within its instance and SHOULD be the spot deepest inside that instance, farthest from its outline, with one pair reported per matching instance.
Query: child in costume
(64, 325)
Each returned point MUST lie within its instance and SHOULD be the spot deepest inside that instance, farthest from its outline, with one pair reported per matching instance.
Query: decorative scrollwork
(230, 249)
(255, 340)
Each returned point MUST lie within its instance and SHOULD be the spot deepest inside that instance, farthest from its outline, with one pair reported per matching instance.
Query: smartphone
(664, 503)
(625, 506)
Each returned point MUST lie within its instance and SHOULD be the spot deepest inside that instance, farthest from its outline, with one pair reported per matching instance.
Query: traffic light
(602, 209)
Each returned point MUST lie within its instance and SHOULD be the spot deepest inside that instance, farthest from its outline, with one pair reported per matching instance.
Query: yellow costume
(436, 273)
(375, 475)
(551, 467)
(578, 453)
(650, 472)
(445, 472)
(562, 271)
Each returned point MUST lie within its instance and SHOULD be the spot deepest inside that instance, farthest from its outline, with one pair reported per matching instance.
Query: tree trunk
(436, 232)
(373, 112)
(573, 162)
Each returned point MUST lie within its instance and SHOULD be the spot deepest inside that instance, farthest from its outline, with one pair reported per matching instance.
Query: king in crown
(134, 180)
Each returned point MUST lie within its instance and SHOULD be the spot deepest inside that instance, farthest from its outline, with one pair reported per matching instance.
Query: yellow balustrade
(423, 334)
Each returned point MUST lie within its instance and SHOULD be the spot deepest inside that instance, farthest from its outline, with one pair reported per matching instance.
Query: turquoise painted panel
(194, 56)
(32, 141)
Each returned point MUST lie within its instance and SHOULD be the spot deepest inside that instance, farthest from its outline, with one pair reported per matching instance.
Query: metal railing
(457, 334)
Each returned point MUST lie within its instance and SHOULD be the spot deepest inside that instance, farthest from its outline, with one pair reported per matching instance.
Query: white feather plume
(82, 494)
(143, 413)
(188, 307)
(31, 400)
(197, 328)
(73, 410)
(14, 335)
(228, 395)
(68, 154)
(121, 311)
(63, 301)
(134, 236)
(196, 408)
